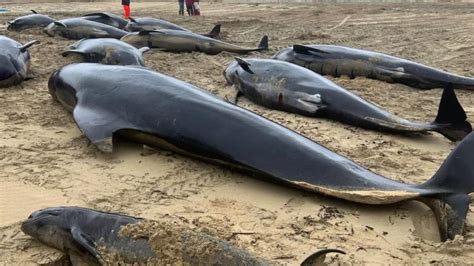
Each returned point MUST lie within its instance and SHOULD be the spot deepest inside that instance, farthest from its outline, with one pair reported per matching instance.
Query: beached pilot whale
(289, 87)
(31, 21)
(344, 61)
(148, 24)
(107, 18)
(163, 112)
(78, 28)
(79, 231)
(107, 51)
(183, 41)
(90, 237)
(14, 61)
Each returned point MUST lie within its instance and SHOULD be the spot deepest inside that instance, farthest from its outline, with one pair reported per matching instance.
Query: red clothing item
(126, 11)
(189, 3)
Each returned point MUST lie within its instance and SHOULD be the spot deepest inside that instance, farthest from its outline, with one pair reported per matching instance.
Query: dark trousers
(190, 10)
(181, 8)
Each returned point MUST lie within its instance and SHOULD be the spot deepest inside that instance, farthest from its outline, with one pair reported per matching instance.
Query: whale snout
(38, 219)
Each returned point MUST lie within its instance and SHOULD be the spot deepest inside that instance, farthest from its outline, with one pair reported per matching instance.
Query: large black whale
(163, 112)
(339, 60)
(289, 87)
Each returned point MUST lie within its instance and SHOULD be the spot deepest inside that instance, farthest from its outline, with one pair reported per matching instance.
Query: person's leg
(189, 10)
(181, 8)
(128, 12)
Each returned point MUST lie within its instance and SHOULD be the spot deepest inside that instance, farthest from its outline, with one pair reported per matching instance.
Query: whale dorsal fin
(28, 45)
(263, 45)
(303, 49)
(244, 65)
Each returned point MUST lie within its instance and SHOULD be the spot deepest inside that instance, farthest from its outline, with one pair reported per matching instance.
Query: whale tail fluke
(452, 182)
(452, 117)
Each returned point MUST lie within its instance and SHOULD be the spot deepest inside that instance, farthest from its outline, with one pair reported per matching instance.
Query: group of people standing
(192, 7)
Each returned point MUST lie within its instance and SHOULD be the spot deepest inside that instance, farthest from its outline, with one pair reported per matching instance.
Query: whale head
(48, 226)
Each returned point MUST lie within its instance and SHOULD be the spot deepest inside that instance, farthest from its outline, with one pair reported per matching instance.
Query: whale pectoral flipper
(244, 64)
(99, 126)
(302, 49)
(84, 242)
(310, 103)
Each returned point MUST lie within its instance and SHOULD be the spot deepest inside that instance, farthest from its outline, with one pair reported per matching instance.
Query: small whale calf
(183, 41)
(31, 21)
(162, 112)
(78, 28)
(339, 60)
(90, 237)
(14, 61)
(289, 87)
(107, 51)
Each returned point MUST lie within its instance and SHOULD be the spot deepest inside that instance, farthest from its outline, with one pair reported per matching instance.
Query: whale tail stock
(451, 117)
(451, 184)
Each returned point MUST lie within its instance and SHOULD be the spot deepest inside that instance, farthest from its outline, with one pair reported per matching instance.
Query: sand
(45, 161)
